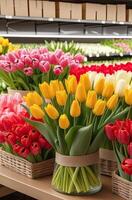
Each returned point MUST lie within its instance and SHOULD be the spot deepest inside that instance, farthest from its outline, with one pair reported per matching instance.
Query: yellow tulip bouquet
(73, 118)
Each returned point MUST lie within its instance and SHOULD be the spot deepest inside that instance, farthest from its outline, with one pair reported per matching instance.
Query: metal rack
(56, 28)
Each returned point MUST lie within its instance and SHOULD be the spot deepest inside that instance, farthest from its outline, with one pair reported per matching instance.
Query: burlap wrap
(77, 161)
(107, 154)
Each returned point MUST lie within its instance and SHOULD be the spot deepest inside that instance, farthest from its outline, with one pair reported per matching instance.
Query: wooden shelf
(41, 188)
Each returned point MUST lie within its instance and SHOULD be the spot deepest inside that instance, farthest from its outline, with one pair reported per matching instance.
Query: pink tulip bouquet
(25, 69)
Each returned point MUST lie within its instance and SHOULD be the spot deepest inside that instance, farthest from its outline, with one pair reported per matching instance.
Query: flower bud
(120, 87)
(36, 112)
(75, 110)
(128, 96)
(99, 85)
(61, 97)
(71, 84)
(81, 93)
(64, 122)
(45, 90)
(108, 89)
(99, 107)
(51, 111)
(112, 102)
(84, 79)
(91, 99)
(33, 98)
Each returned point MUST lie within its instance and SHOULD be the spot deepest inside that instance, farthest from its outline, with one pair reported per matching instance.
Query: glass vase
(77, 180)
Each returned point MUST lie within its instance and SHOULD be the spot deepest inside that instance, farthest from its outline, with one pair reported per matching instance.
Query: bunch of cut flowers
(18, 137)
(74, 114)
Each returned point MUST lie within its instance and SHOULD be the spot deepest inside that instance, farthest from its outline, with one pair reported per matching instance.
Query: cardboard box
(49, 9)
(21, 8)
(89, 11)
(129, 15)
(35, 8)
(93, 11)
(76, 11)
(121, 12)
(101, 12)
(63, 10)
(111, 12)
(7, 7)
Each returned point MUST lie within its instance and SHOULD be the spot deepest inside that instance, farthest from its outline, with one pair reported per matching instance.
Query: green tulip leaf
(82, 141)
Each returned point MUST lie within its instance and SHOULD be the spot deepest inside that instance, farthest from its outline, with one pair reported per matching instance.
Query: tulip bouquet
(120, 134)
(25, 69)
(74, 115)
(18, 137)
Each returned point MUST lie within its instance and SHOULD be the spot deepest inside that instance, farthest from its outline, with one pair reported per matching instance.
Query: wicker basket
(22, 166)
(121, 187)
(107, 162)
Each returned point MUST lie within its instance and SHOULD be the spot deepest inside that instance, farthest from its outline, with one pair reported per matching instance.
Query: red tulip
(110, 131)
(123, 136)
(2, 137)
(23, 152)
(34, 135)
(26, 141)
(129, 149)
(10, 138)
(16, 148)
(44, 143)
(127, 166)
(35, 148)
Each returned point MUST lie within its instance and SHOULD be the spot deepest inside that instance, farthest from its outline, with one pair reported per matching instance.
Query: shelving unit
(41, 188)
(14, 27)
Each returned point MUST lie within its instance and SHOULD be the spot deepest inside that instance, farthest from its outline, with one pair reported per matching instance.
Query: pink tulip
(64, 63)
(57, 70)
(44, 66)
(53, 59)
(79, 58)
(28, 71)
(59, 53)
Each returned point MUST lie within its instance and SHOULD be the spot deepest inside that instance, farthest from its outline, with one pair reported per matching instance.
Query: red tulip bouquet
(17, 136)
(120, 134)
(25, 69)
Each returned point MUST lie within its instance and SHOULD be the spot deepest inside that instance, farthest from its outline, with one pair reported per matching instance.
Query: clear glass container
(77, 180)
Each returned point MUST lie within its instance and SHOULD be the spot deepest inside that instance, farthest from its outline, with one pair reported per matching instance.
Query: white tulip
(92, 76)
(120, 88)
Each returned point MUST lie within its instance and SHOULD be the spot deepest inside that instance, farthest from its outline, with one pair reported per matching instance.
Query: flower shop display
(120, 134)
(75, 117)
(23, 149)
(25, 69)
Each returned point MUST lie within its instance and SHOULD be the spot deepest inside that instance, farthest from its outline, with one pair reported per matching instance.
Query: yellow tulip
(91, 99)
(54, 87)
(61, 97)
(128, 96)
(61, 86)
(112, 102)
(51, 111)
(99, 107)
(81, 93)
(5, 42)
(99, 86)
(72, 85)
(108, 89)
(64, 122)
(33, 98)
(45, 90)
(1, 49)
(75, 109)
(84, 79)
(36, 111)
